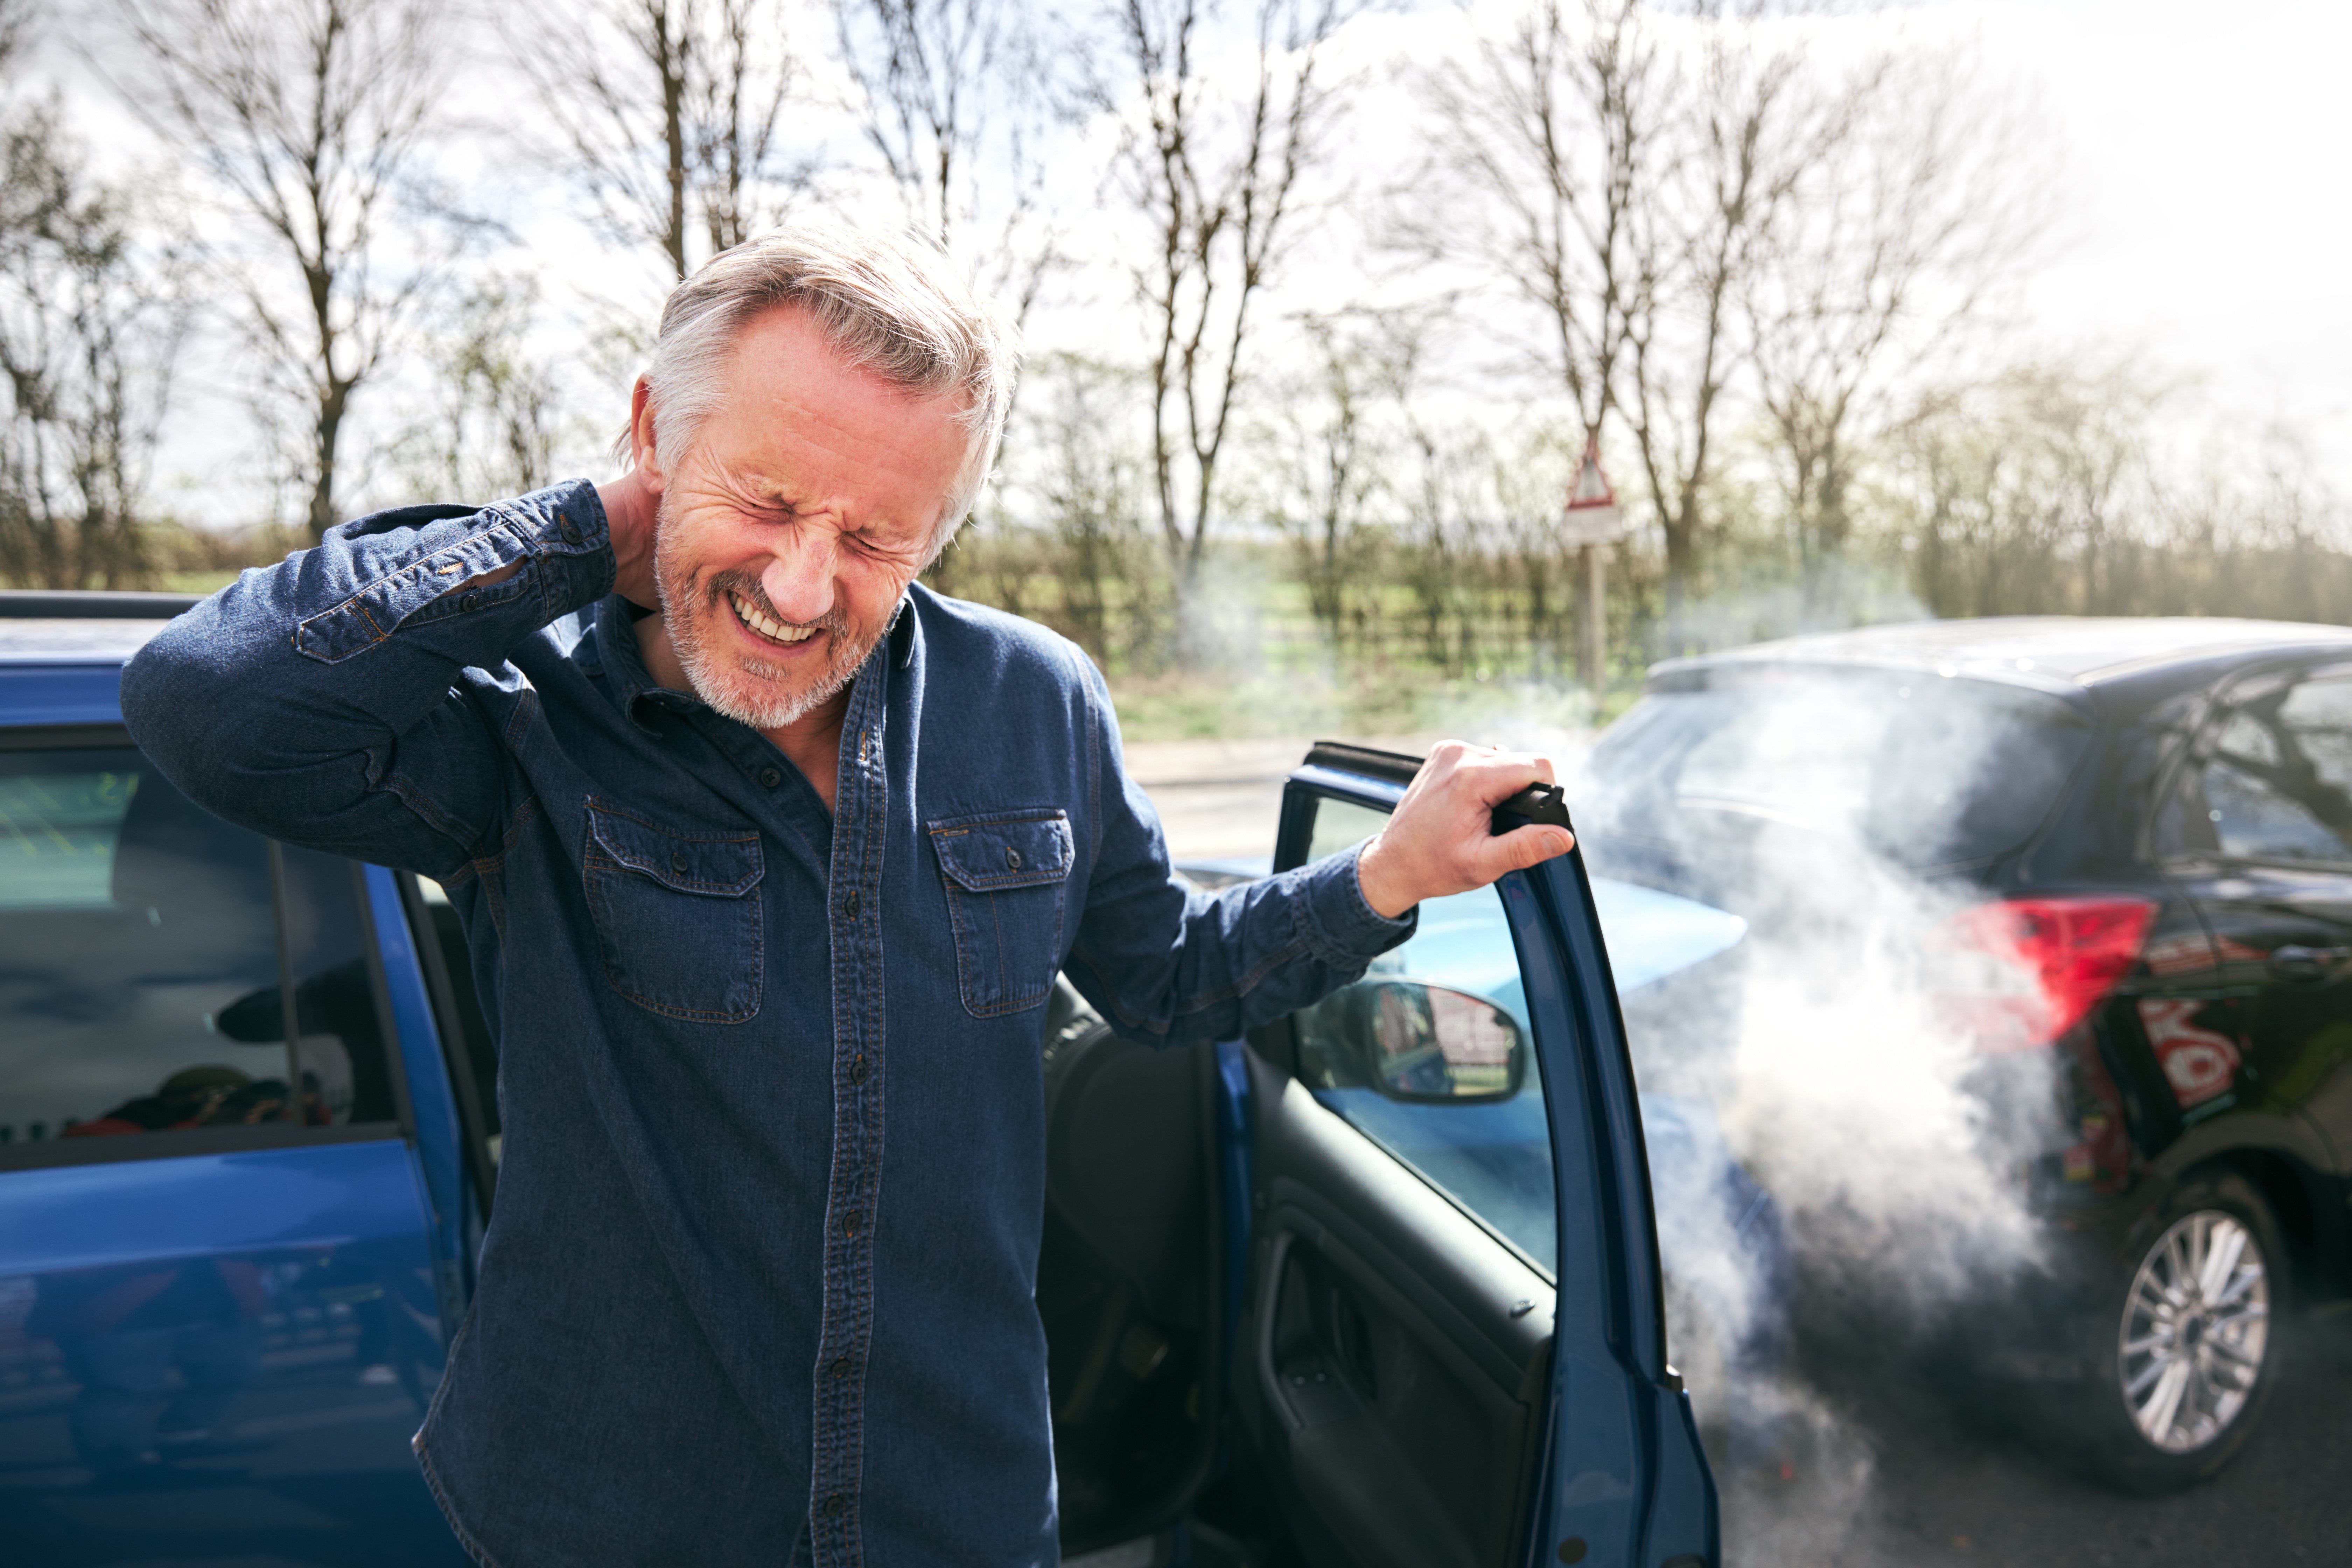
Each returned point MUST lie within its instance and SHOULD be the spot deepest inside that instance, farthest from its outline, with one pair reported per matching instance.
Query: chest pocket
(1006, 875)
(678, 916)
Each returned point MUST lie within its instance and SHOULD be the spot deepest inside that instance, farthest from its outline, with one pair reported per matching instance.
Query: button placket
(837, 1448)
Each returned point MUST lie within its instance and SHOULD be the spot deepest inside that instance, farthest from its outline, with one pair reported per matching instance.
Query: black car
(2135, 839)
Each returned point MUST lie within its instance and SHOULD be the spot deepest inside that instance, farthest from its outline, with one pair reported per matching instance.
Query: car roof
(38, 626)
(2045, 652)
(73, 642)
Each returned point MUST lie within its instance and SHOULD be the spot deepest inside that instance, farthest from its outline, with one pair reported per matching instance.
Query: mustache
(747, 588)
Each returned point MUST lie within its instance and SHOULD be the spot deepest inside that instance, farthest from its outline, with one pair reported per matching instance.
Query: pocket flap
(722, 865)
(990, 853)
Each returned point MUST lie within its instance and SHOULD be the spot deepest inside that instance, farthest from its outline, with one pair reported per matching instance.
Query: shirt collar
(625, 664)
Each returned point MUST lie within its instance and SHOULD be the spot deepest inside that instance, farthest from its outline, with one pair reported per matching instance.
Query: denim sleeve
(1168, 965)
(325, 701)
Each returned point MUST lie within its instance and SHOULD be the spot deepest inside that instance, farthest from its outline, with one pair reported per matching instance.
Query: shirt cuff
(1349, 932)
(416, 564)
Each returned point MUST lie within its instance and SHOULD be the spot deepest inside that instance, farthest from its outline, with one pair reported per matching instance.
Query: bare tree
(310, 116)
(496, 413)
(1087, 485)
(1886, 256)
(16, 30)
(1553, 131)
(2037, 490)
(89, 327)
(1216, 199)
(1624, 191)
(957, 96)
(1326, 450)
(671, 112)
(1744, 132)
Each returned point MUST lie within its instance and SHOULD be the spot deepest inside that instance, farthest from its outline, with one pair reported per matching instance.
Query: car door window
(346, 1070)
(142, 963)
(2277, 776)
(1430, 1055)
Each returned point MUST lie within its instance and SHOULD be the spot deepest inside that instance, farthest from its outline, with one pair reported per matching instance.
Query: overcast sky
(2206, 146)
(2203, 222)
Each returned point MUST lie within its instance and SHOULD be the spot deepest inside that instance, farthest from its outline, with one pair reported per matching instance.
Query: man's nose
(798, 579)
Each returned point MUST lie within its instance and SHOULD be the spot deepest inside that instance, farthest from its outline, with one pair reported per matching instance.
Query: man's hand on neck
(631, 509)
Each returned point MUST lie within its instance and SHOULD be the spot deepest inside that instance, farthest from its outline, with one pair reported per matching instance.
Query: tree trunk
(326, 435)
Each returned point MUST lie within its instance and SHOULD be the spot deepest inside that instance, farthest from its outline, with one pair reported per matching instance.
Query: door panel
(218, 1357)
(1394, 1381)
(1419, 1386)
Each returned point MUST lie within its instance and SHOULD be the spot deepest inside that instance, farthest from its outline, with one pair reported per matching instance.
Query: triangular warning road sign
(1592, 516)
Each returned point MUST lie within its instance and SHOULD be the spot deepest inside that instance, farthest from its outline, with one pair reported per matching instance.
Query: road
(1217, 799)
(1907, 1480)
(1221, 800)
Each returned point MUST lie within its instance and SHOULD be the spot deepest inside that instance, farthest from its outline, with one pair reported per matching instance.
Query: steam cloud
(1840, 1079)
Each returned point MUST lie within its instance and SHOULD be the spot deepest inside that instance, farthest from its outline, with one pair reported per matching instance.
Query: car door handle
(2308, 965)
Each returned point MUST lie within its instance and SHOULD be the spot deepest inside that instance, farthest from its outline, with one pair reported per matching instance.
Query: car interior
(133, 916)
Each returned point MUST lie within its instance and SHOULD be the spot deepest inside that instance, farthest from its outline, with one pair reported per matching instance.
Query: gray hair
(891, 306)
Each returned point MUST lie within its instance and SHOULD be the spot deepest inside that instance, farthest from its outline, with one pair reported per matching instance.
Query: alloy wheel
(2195, 1331)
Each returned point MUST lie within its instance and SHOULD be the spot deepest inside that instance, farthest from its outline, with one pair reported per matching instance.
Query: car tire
(2189, 1331)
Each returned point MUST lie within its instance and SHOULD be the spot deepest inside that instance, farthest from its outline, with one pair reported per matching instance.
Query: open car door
(1449, 1347)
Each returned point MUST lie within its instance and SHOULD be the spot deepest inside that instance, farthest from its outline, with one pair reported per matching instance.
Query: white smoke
(1843, 1082)
(1859, 1101)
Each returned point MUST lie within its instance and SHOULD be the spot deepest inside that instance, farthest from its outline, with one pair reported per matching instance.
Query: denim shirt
(761, 1280)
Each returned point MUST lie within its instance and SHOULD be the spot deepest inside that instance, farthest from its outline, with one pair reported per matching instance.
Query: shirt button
(841, 1367)
(678, 861)
(857, 1069)
(771, 777)
(849, 904)
(849, 1224)
(1012, 857)
(835, 1506)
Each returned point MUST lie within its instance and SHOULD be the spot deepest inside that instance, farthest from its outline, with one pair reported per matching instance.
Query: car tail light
(2031, 969)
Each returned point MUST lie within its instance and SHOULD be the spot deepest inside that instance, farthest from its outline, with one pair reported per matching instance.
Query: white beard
(747, 690)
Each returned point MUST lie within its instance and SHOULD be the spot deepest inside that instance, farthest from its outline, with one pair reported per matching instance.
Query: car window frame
(176, 1142)
(1609, 1310)
(2223, 701)
(457, 1046)
(1278, 1042)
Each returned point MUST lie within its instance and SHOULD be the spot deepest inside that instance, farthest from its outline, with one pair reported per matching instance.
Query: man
(767, 859)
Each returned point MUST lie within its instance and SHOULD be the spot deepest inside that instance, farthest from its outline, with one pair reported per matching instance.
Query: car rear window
(1922, 769)
(148, 951)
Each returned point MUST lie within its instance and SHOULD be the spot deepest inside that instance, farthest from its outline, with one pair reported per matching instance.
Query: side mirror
(1414, 1042)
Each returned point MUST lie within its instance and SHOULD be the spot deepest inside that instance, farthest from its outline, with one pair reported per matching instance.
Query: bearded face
(746, 659)
(803, 505)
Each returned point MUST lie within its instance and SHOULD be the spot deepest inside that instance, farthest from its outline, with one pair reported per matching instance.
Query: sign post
(1592, 522)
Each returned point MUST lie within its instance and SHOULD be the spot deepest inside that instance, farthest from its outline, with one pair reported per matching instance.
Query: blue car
(1379, 1286)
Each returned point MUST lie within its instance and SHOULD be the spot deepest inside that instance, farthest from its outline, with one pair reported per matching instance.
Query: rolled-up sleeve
(1167, 965)
(333, 699)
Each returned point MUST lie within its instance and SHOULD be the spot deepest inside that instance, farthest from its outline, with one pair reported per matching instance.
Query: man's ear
(645, 453)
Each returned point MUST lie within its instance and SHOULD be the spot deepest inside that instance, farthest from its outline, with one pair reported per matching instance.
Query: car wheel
(2195, 1334)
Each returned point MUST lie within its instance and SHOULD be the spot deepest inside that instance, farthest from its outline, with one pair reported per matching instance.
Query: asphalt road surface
(1906, 1477)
